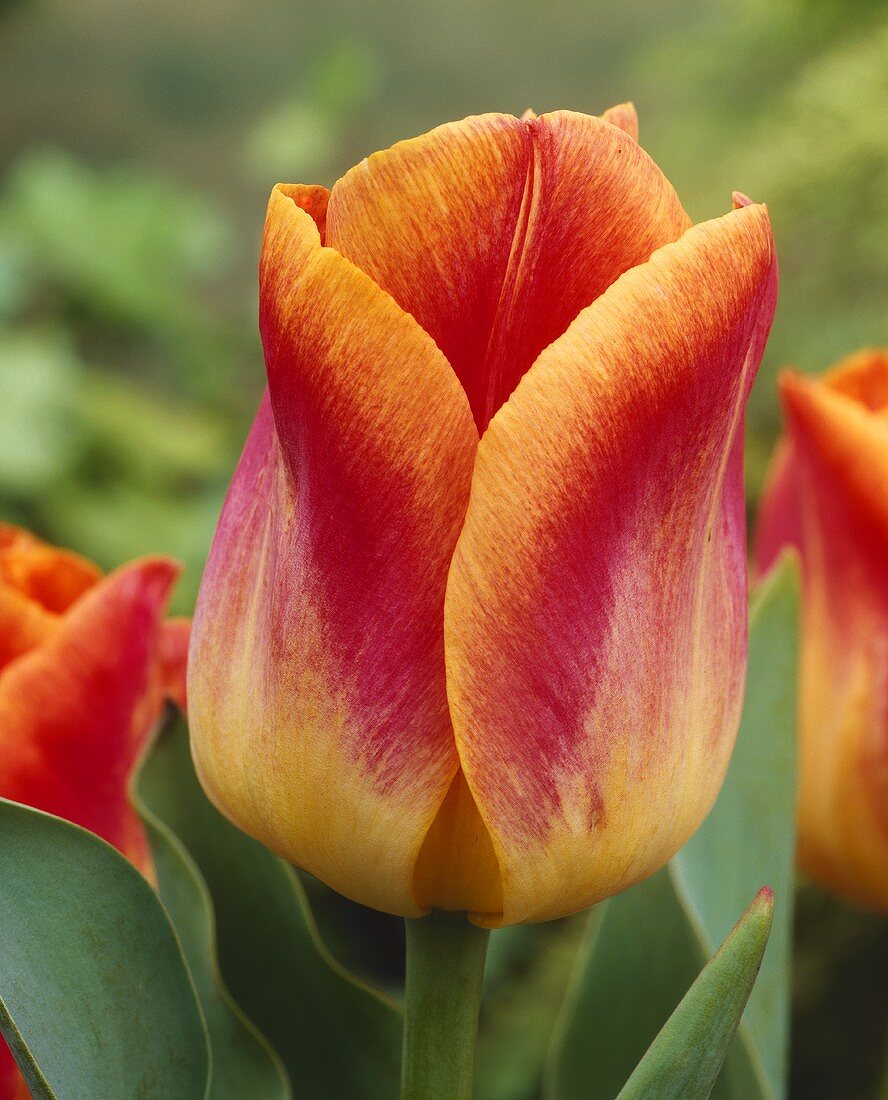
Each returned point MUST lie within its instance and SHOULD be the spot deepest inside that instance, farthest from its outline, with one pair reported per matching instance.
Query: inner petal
(50, 577)
(495, 232)
(863, 377)
(457, 868)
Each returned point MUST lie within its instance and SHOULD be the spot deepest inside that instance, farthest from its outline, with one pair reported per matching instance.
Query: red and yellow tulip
(85, 663)
(827, 495)
(472, 631)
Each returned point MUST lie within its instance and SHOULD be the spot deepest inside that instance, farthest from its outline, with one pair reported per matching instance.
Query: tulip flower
(85, 664)
(472, 631)
(827, 495)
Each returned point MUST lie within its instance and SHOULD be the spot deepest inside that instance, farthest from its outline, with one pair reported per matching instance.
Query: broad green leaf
(684, 1061)
(243, 1062)
(654, 938)
(749, 838)
(335, 1036)
(95, 996)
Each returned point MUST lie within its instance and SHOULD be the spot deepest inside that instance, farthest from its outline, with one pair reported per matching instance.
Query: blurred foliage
(137, 155)
(120, 411)
(526, 983)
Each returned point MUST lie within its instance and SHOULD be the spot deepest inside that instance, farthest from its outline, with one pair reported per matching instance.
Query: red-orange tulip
(85, 663)
(499, 675)
(828, 496)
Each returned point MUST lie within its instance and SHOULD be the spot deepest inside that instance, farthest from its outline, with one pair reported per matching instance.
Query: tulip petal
(47, 575)
(175, 635)
(23, 624)
(863, 376)
(595, 619)
(779, 522)
(837, 460)
(495, 232)
(316, 686)
(75, 712)
(625, 117)
(12, 1084)
(312, 198)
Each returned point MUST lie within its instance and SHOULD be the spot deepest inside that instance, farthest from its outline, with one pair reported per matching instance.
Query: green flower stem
(445, 964)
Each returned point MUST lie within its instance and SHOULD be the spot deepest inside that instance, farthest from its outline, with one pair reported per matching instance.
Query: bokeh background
(138, 143)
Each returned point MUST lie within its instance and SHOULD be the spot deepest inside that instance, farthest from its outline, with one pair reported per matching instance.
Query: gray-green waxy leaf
(335, 1036)
(244, 1065)
(95, 996)
(685, 1059)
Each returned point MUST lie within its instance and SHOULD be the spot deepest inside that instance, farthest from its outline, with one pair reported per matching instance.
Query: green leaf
(749, 838)
(684, 1061)
(654, 938)
(95, 995)
(335, 1036)
(243, 1062)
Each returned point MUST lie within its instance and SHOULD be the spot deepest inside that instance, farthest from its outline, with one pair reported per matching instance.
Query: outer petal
(75, 712)
(495, 232)
(839, 451)
(12, 1084)
(779, 520)
(174, 638)
(316, 675)
(596, 608)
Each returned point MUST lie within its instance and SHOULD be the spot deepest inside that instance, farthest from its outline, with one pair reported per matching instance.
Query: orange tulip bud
(827, 495)
(472, 631)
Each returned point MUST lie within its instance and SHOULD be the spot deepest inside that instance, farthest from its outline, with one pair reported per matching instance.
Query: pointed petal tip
(146, 583)
(624, 116)
(796, 391)
(310, 198)
(789, 379)
(156, 575)
(739, 201)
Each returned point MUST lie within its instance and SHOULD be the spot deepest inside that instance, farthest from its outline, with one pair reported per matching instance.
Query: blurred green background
(138, 144)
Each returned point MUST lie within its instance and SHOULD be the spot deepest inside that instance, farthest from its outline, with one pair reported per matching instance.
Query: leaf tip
(764, 899)
(760, 914)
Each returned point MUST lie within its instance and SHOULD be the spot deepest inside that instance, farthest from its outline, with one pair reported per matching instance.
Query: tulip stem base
(445, 965)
